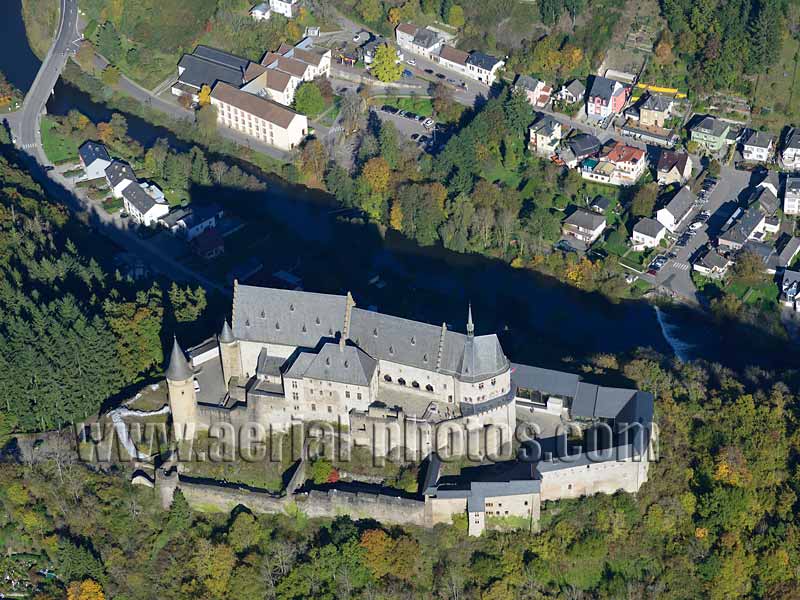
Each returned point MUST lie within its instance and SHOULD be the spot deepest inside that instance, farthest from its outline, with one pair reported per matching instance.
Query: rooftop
(268, 110)
(585, 219)
(649, 227)
(92, 151)
(483, 61)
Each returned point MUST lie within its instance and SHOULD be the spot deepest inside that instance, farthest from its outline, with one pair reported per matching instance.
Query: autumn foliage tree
(85, 590)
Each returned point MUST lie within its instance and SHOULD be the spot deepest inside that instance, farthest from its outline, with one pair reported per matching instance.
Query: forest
(717, 519)
(73, 331)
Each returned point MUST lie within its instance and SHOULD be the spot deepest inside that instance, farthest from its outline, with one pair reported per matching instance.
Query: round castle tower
(229, 355)
(181, 392)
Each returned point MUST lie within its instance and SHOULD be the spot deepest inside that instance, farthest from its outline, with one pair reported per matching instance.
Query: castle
(294, 355)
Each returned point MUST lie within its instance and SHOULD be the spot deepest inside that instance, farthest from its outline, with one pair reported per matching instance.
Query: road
(25, 124)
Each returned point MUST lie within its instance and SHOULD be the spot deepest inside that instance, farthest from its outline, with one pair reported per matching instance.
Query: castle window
(375, 332)
(295, 396)
(480, 386)
(291, 307)
(415, 385)
(429, 387)
(358, 395)
(277, 325)
(263, 314)
(425, 358)
(294, 384)
(494, 381)
(413, 340)
(314, 407)
(526, 503)
(330, 408)
(317, 320)
(450, 398)
(391, 349)
(401, 381)
(347, 394)
(387, 378)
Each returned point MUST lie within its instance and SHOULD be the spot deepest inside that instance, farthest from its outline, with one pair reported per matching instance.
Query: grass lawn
(420, 106)
(778, 90)
(113, 205)
(759, 294)
(57, 148)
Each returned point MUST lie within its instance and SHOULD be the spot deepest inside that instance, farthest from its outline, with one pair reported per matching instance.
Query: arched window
(415, 385)
(401, 381)
(429, 387)
(387, 378)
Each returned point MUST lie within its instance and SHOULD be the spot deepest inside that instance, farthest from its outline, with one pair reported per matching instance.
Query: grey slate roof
(207, 66)
(347, 365)
(482, 61)
(649, 227)
(425, 37)
(547, 381)
(792, 187)
(602, 87)
(745, 226)
(759, 139)
(293, 318)
(763, 197)
(600, 203)
(226, 335)
(657, 102)
(118, 171)
(178, 368)
(681, 203)
(92, 151)
(713, 260)
(711, 126)
(267, 365)
(584, 144)
(300, 365)
(793, 138)
(192, 215)
(545, 125)
(576, 88)
(138, 198)
(668, 159)
(585, 219)
(527, 82)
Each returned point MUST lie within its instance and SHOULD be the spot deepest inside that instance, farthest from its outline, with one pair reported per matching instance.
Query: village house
(190, 221)
(262, 119)
(790, 155)
(605, 98)
(419, 40)
(791, 196)
(572, 92)
(673, 167)
(207, 66)
(208, 245)
(544, 136)
(618, 164)
(712, 134)
(711, 263)
(757, 220)
(483, 67)
(119, 176)
(287, 8)
(94, 159)
(677, 209)
(647, 233)
(453, 59)
(758, 147)
(537, 92)
(790, 289)
(271, 83)
(584, 225)
(144, 203)
(655, 110)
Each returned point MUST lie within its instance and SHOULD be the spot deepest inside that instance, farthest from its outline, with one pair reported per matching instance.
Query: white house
(483, 67)
(271, 83)
(453, 59)
(544, 136)
(119, 176)
(676, 211)
(572, 92)
(758, 147)
(94, 159)
(619, 164)
(584, 225)
(647, 233)
(607, 97)
(193, 220)
(711, 264)
(261, 12)
(419, 40)
(264, 10)
(791, 196)
(263, 120)
(790, 157)
(141, 206)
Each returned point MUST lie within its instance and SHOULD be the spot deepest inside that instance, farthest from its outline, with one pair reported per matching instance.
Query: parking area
(423, 131)
(717, 199)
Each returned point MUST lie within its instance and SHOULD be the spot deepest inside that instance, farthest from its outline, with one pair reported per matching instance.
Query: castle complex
(290, 356)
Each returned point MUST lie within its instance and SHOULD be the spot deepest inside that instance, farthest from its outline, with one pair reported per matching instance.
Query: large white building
(791, 196)
(287, 8)
(260, 118)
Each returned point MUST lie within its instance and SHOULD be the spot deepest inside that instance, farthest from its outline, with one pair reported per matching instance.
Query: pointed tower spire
(226, 335)
(470, 325)
(178, 369)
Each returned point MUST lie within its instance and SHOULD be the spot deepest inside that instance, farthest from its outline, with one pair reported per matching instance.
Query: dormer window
(346, 364)
(413, 340)
(247, 323)
(375, 332)
(304, 328)
(317, 320)
(391, 349)
(277, 325)
(291, 307)
(263, 315)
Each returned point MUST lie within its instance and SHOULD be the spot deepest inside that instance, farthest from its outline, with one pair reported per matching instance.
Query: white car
(695, 226)
(411, 62)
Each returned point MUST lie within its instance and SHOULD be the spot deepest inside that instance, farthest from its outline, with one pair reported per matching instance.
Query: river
(539, 319)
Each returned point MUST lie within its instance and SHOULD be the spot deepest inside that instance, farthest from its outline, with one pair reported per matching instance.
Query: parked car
(695, 226)
(420, 118)
(564, 246)
(428, 123)
(411, 62)
(440, 76)
(414, 137)
(429, 71)
(423, 139)
(389, 109)
(407, 74)
(452, 81)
